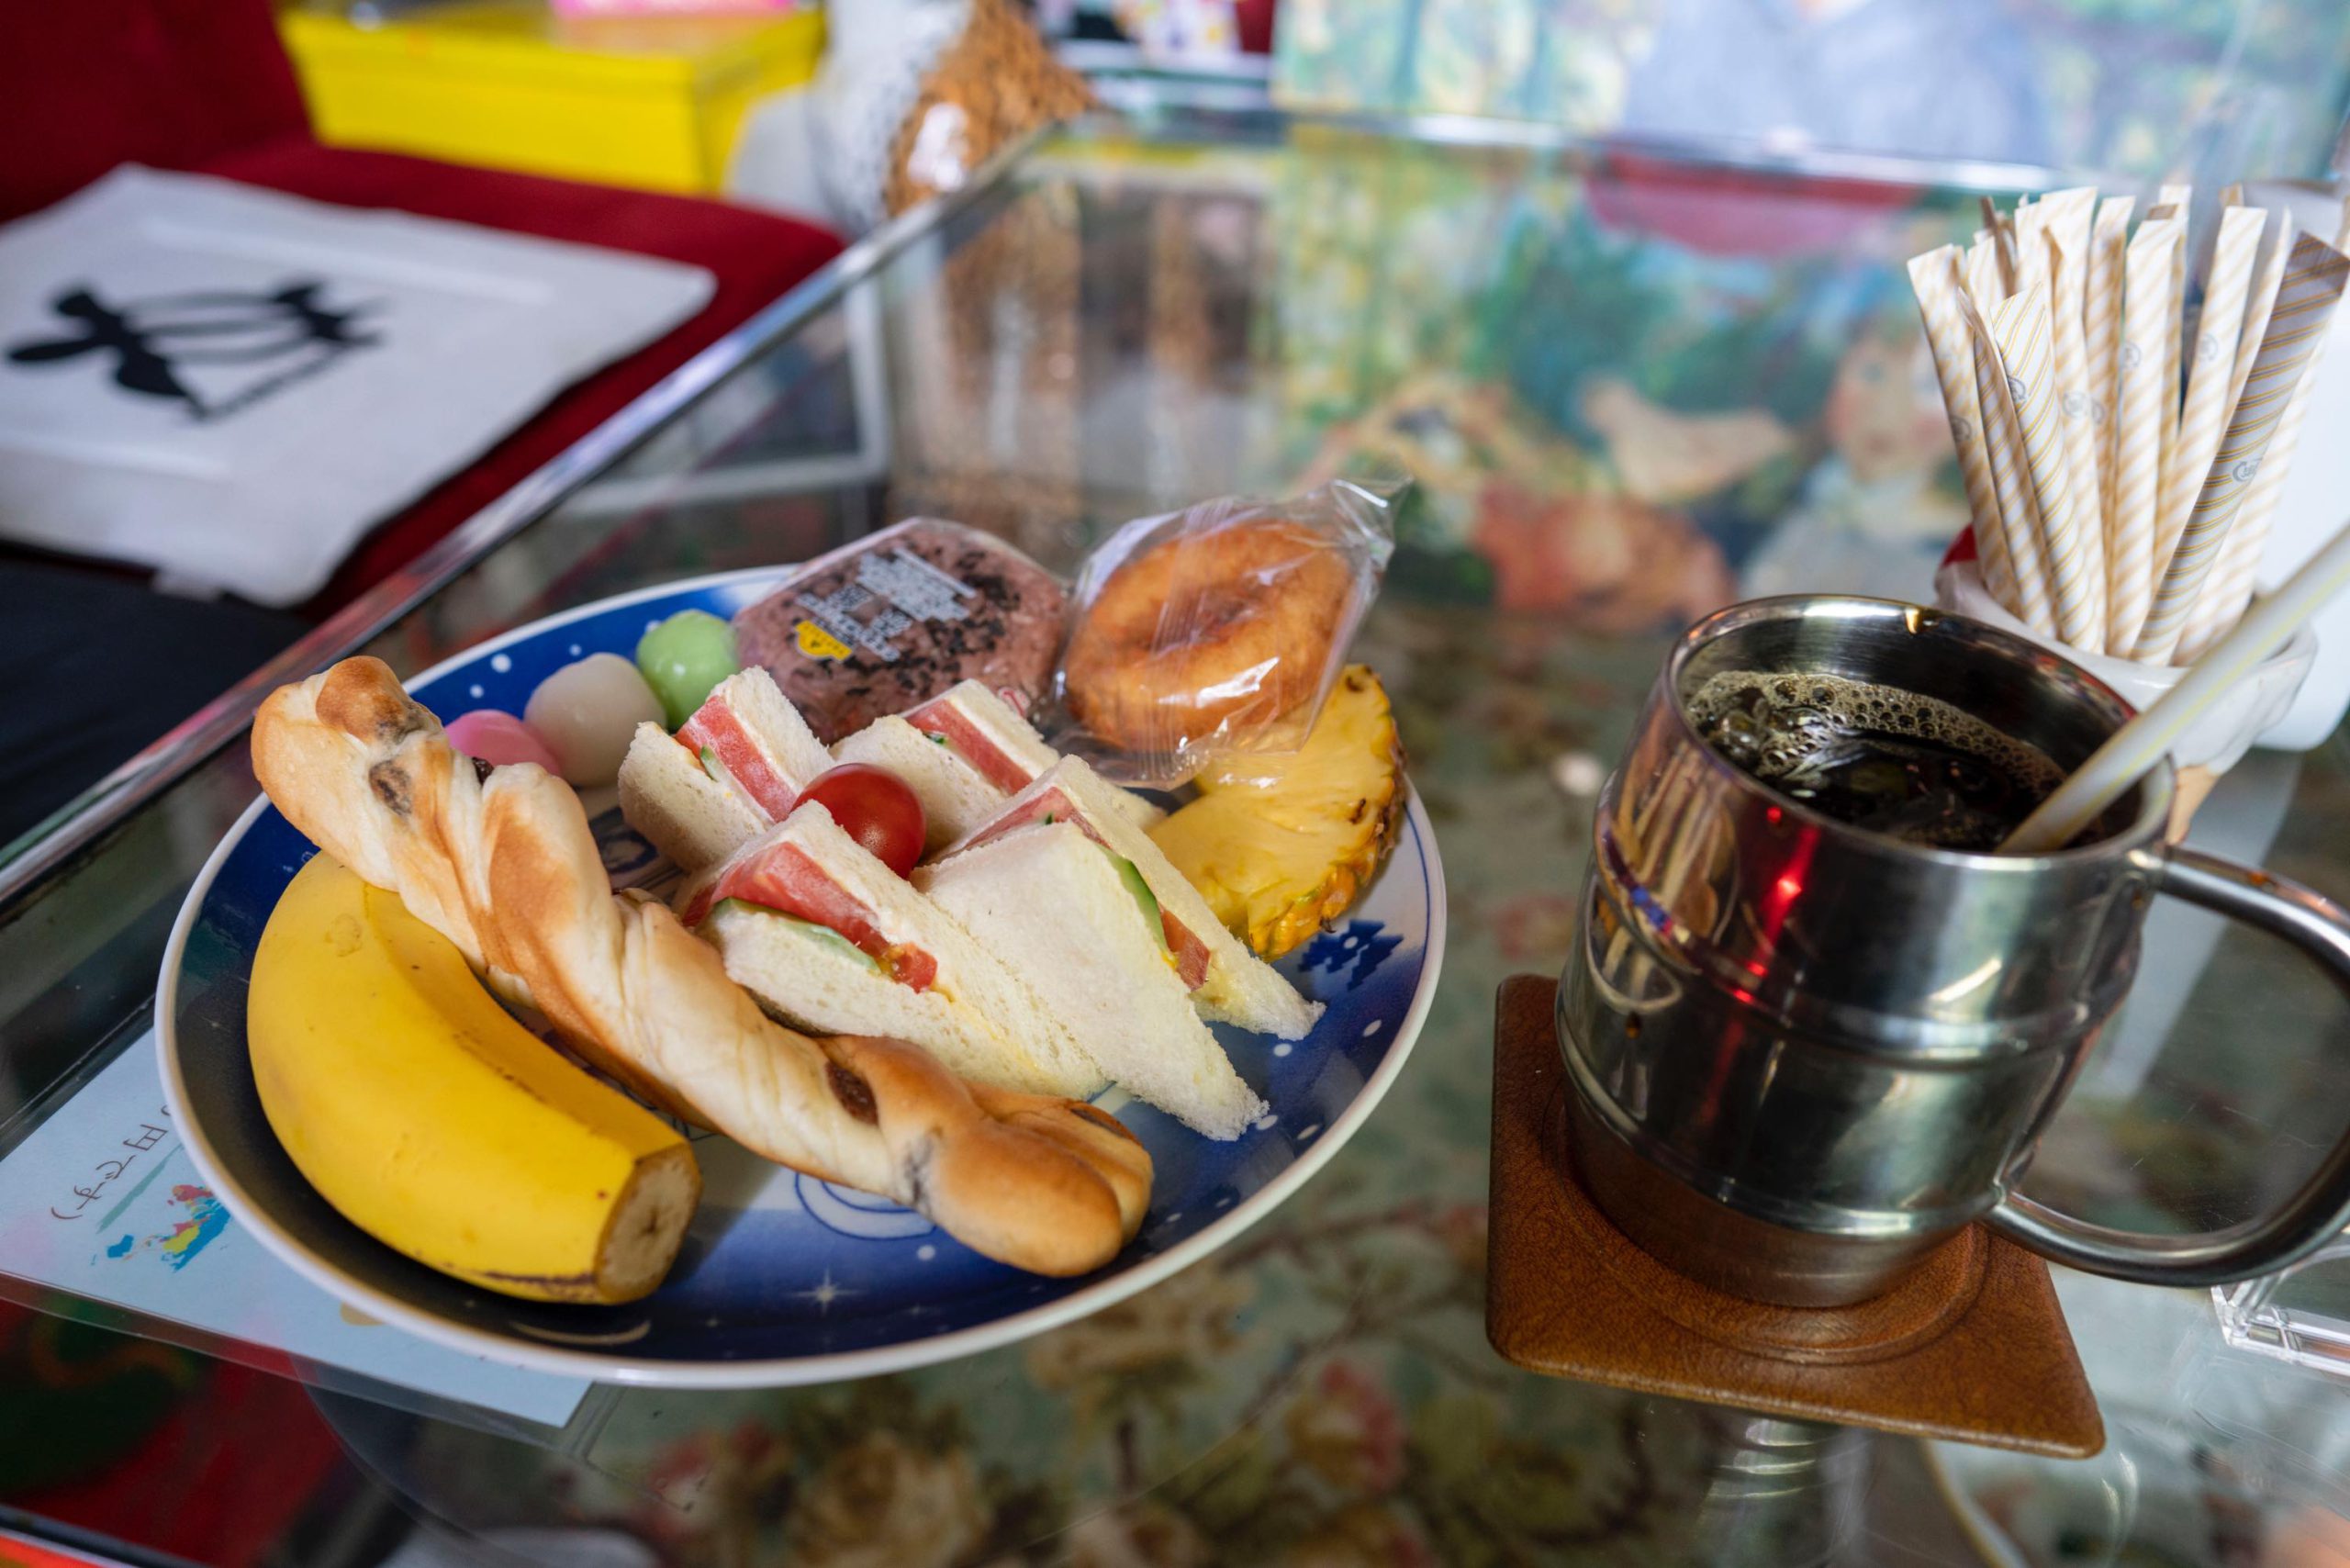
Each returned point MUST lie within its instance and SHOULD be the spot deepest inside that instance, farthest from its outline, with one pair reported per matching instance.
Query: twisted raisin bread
(505, 866)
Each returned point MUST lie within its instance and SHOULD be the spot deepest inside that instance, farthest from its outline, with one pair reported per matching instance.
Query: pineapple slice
(1279, 845)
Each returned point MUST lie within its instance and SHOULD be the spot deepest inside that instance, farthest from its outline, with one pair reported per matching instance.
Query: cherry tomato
(875, 808)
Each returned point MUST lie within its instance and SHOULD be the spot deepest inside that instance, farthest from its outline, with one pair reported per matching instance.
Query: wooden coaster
(1970, 1346)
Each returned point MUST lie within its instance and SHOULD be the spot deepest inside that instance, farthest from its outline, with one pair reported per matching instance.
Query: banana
(434, 1122)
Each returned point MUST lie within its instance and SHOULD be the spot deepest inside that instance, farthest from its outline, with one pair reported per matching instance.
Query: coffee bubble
(1894, 761)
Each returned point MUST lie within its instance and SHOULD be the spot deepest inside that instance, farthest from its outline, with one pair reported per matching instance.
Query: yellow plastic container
(652, 102)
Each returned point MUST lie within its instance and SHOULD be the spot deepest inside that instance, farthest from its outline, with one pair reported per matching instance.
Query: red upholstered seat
(205, 84)
(171, 82)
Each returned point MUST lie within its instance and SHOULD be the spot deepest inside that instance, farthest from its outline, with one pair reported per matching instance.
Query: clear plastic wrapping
(1217, 630)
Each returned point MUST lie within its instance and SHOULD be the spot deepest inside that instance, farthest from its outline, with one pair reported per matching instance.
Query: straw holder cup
(1802, 1054)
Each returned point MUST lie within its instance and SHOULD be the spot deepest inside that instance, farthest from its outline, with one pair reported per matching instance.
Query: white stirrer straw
(2135, 748)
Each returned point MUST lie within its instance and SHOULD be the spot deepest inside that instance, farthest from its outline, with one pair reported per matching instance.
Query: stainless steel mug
(1802, 1054)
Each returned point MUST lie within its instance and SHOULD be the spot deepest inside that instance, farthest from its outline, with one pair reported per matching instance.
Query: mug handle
(2317, 1213)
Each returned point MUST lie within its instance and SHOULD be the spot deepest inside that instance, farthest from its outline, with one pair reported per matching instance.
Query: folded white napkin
(233, 386)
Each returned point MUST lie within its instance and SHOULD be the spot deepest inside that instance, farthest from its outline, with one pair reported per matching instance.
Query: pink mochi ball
(499, 739)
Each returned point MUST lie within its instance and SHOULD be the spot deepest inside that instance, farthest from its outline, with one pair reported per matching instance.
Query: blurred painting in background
(1629, 390)
(1626, 390)
(2209, 89)
(1629, 385)
(1665, 385)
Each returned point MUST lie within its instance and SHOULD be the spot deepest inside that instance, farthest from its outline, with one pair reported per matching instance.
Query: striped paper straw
(1935, 279)
(2067, 222)
(2149, 314)
(1983, 269)
(2107, 240)
(2229, 588)
(2204, 417)
(2010, 476)
(2174, 204)
(2305, 301)
(2268, 272)
(2230, 582)
(2033, 268)
(2024, 332)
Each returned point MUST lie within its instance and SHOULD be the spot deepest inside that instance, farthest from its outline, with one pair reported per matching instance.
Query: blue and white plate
(783, 1279)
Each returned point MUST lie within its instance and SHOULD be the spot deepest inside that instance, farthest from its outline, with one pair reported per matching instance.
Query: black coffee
(1877, 756)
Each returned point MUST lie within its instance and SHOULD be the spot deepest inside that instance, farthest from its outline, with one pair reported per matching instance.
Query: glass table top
(1627, 389)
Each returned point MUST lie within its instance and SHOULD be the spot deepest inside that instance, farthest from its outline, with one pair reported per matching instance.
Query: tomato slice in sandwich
(942, 720)
(717, 730)
(786, 878)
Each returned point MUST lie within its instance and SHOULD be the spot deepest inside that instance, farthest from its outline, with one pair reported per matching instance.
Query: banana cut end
(648, 1225)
